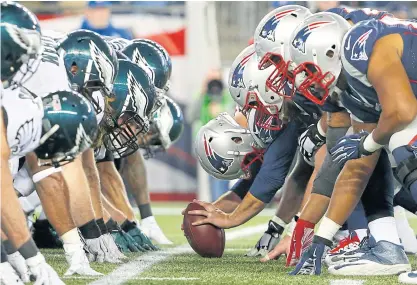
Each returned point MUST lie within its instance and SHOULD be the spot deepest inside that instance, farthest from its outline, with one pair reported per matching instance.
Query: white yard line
(138, 278)
(346, 282)
(136, 267)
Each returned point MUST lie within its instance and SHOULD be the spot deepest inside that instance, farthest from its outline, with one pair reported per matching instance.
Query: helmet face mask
(277, 80)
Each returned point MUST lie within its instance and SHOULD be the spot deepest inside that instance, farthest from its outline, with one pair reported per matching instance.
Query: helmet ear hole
(210, 139)
(330, 53)
(237, 140)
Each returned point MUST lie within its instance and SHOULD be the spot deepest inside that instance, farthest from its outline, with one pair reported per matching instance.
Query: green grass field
(187, 267)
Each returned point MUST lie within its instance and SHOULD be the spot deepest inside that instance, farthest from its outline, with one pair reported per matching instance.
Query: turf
(232, 268)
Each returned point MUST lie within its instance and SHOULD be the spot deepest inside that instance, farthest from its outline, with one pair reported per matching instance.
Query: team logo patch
(221, 164)
(141, 61)
(300, 39)
(237, 77)
(359, 47)
(268, 30)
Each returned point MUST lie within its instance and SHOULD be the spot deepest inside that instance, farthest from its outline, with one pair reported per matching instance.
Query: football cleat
(151, 228)
(408, 277)
(385, 258)
(337, 255)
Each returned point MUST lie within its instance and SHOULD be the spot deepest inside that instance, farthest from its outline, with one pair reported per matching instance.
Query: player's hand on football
(42, 272)
(350, 147)
(301, 239)
(311, 261)
(212, 215)
(268, 241)
(283, 247)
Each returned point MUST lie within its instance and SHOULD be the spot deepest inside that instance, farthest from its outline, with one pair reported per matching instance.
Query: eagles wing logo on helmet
(139, 60)
(300, 39)
(359, 47)
(268, 30)
(237, 77)
(17, 36)
(221, 164)
(82, 140)
(26, 130)
(136, 97)
(103, 65)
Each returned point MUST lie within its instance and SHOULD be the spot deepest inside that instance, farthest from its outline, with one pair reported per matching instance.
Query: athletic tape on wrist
(45, 173)
(370, 145)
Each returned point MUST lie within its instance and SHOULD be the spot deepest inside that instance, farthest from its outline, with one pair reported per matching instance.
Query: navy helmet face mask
(20, 44)
(69, 127)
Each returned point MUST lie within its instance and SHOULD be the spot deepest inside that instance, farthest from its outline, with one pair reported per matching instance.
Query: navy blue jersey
(357, 15)
(361, 100)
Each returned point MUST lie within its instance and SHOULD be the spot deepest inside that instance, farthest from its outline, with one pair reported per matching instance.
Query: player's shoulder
(358, 15)
(358, 43)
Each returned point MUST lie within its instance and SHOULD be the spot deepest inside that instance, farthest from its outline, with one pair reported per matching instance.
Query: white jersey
(23, 113)
(51, 74)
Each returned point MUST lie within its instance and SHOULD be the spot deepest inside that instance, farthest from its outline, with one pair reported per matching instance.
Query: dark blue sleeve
(277, 162)
(358, 15)
(242, 186)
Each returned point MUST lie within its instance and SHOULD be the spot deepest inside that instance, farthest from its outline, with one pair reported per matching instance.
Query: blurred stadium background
(203, 38)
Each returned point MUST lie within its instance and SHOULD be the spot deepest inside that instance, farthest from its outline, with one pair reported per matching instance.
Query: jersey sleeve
(357, 48)
(277, 162)
(358, 15)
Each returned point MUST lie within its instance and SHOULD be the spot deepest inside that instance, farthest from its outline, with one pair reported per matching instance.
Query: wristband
(28, 249)
(370, 145)
(45, 173)
(128, 225)
(320, 130)
(9, 247)
(112, 225)
(327, 229)
(102, 226)
(90, 230)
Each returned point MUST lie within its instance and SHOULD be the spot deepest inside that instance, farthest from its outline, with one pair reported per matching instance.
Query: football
(207, 240)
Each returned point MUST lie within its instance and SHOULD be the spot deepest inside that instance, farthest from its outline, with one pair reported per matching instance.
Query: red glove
(301, 240)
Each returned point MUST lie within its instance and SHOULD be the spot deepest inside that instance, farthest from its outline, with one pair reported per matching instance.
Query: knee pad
(326, 177)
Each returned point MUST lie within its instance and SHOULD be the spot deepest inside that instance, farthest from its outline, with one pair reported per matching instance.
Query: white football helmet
(222, 145)
(315, 52)
(272, 41)
(247, 85)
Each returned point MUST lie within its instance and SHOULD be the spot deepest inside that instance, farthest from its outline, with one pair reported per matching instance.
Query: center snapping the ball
(207, 240)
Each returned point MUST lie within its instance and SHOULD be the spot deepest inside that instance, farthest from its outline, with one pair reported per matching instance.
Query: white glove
(17, 261)
(268, 241)
(309, 142)
(77, 260)
(112, 247)
(98, 251)
(42, 271)
(8, 275)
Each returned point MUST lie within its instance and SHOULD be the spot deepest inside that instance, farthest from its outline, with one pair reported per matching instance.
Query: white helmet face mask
(221, 147)
(315, 53)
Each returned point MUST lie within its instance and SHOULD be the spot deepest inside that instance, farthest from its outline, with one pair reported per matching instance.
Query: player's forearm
(250, 207)
(93, 179)
(135, 175)
(389, 123)
(13, 221)
(114, 213)
(78, 192)
(114, 190)
(228, 202)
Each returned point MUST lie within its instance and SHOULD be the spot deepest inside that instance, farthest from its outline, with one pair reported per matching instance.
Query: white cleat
(8, 276)
(408, 278)
(78, 261)
(150, 227)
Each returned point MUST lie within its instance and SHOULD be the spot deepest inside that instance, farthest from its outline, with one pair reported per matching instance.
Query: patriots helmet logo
(300, 39)
(359, 47)
(237, 77)
(221, 164)
(268, 30)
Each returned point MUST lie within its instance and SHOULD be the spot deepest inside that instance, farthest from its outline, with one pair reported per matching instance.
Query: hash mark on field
(138, 278)
(347, 282)
(136, 267)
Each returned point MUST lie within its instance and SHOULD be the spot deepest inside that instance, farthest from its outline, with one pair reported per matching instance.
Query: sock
(90, 230)
(384, 229)
(357, 220)
(361, 233)
(327, 229)
(405, 232)
(279, 221)
(102, 226)
(145, 211)
(71, 237)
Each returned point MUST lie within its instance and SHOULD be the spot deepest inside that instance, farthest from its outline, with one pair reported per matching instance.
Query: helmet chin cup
(308, 79)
